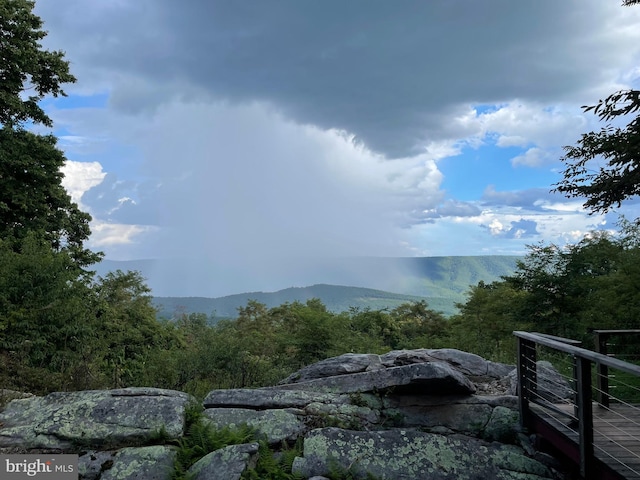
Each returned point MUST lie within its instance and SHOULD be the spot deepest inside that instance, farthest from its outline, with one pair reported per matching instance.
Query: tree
(486, 320)
(47, 333)
(26, 67)
(32, 198)
(130, 332)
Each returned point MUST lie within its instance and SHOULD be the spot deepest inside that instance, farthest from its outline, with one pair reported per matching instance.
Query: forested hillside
(336, 298)
(441, 281)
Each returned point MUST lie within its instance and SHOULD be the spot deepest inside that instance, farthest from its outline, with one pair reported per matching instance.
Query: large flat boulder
(467, 363)
(424, 378)
(340, 365)
(93, 419)
(411, 454)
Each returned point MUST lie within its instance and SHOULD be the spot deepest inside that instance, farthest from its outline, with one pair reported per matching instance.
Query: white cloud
(106, 235)
(79, 177)
(533, 157)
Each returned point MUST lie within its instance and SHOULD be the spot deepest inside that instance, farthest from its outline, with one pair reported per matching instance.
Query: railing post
(602, 371)
(585, 416)
(527, 381)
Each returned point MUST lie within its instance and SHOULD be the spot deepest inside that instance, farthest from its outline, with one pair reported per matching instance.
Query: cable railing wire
(625, 434)
(617, 460)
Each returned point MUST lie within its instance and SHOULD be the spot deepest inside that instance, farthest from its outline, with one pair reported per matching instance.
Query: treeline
(60, 331)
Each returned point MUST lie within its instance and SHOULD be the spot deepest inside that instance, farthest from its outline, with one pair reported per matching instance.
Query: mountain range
(362, 282)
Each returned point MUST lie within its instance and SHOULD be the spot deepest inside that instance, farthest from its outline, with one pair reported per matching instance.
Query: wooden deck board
(616, 434)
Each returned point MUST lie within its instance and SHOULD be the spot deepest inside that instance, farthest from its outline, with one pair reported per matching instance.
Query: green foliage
(202, 438)
(564, 291)
(263, 346)
(131, 333)
(26, 67)
(49, 336)
(606, 187)
(33, 200)
(486, 321)
(45, 336)
(272, 466)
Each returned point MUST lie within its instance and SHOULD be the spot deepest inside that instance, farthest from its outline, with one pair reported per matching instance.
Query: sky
(253, 136)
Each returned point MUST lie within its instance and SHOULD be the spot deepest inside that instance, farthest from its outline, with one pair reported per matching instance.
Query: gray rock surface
(347, 363)
(92, 464)
(275, 425)
(265, 398)
(410, 454)
(112, 418)
(426, 378)
(502, 426)
(149, 463)
(227, 463)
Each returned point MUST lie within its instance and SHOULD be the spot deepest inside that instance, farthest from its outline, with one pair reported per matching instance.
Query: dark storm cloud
(387, 72)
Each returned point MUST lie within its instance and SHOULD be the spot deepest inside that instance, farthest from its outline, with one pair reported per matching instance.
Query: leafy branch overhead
(26, 70)
(606, 186)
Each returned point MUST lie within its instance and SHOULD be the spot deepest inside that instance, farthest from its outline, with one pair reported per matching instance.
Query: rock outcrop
(440, 414)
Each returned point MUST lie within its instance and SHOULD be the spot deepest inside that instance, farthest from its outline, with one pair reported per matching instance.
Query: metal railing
(565, 402)
(603, 345)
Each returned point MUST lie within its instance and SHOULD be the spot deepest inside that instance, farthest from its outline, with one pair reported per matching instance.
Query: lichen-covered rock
(92, 419)
(275, 425)
(265, 398)
(227, 463)
(503, 426)
(340, 365)
(427, 378)
(410, 454)
(148, 463)
(361, 415)
(469, 419)
(469, 414)
(92, 464)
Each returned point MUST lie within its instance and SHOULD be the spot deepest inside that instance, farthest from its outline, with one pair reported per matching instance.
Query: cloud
(245, 133)
(380, 72)
(536, 199)
(533, 157)
(244, 182)
(516, 229)
(80, 177)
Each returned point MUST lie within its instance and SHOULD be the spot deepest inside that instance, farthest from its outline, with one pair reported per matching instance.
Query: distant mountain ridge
(340, 283)
(337, 298)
